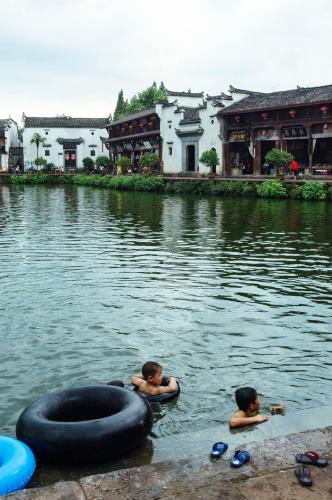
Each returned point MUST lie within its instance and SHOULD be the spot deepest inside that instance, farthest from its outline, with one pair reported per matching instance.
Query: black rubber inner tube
(161, 398)
(85, 424)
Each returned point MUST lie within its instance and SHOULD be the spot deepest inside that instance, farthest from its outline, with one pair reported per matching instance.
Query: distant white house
(10, 150)
(67, 140)
(189, 126)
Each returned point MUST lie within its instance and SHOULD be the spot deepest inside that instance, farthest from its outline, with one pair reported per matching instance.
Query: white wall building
(189, 125)
(9, 143)
(67, 140)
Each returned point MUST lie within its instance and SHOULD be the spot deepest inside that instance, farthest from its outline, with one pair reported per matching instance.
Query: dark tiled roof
(132, 136)
(188, 133)
(284, 98)
(185, 94)
(3, 124)
(16, 150)
(74, 140)
(219, 97)
(63, 122)
(234, 90)
(133, 116)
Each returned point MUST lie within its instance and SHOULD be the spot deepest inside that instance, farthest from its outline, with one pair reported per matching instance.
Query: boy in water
(148, 382)
(248, 404)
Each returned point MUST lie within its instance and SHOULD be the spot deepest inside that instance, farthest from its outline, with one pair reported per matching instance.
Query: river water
(222, 292)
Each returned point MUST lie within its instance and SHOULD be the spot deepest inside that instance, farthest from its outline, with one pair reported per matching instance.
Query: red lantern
(150, 124)
(265, 115)
(324, 109)
(141, 125)
(292, 113)
(237, 118)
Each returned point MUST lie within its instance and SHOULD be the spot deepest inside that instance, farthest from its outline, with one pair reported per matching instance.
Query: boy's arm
(137, 379)
(171, 387)
(241, 420)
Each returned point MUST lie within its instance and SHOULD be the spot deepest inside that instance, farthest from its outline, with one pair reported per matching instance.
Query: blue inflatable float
(17, 464)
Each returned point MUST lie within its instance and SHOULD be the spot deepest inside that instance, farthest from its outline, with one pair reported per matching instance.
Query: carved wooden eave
(187, 133)
(63, 140)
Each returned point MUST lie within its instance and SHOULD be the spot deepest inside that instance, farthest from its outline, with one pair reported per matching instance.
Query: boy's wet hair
(150, 368)
(245, 396)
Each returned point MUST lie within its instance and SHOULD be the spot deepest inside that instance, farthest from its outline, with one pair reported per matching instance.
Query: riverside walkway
(268, 475)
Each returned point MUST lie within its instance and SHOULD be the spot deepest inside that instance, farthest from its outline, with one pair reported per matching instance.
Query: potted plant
(279, 160)
(149, 161)
(102, 163)
(210, 159)
(40, 162)
(122, 165)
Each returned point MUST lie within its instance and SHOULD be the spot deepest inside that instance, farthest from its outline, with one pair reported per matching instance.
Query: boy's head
(152, 372)
(247, 399)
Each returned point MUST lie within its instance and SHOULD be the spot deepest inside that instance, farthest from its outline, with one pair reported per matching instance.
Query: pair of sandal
(239, 458)
(303, 472)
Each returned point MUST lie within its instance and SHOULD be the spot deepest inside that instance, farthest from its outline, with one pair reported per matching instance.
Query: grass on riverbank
(309, 190)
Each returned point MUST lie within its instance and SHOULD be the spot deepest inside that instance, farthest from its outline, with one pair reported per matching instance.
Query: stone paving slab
(69, 490)
(268, 475)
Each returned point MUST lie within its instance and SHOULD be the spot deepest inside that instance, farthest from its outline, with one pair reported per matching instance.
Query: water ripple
(221, 292)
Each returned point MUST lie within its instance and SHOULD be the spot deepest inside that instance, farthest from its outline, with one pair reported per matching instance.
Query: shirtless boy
(248, 404)
(148, 382)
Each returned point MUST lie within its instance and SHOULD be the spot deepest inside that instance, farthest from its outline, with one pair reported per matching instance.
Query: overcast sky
(73, 56)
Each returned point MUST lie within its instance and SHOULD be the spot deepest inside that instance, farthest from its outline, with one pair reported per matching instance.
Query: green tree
(210, 159)
(102, 161)
(279, 159)
(123, 161)
(120, 106)
(38, 140)
(88, 163)
(149, 96)
(149, 160)
(40, 162)
(143, 100)
(162, 88)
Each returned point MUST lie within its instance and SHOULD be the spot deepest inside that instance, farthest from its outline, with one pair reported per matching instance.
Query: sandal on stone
(311, 458)
(218, 449)
(303, 475)
(240, 457)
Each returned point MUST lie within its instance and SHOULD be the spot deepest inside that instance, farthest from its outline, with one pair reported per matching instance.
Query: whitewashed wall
(90, 136)
(11, 140)
(211, 137)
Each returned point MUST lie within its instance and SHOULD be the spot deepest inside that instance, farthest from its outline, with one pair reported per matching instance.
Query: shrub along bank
(309, 190)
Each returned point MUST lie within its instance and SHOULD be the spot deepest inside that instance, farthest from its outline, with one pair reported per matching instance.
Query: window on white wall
(92, 152)
(170, 150)
(47, 152)
(92, 133)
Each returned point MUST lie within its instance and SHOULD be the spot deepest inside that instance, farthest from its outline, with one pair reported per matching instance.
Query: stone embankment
(268, 475)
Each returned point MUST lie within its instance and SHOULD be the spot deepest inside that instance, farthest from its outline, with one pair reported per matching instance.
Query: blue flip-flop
(239, 458)
(218, 449)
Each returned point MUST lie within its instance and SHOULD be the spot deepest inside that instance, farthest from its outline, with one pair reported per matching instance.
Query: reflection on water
(223, 293)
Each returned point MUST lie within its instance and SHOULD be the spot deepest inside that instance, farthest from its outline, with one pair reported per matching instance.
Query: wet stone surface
(268, 475)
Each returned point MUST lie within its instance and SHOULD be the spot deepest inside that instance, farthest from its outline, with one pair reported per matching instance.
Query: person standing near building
(294, 168)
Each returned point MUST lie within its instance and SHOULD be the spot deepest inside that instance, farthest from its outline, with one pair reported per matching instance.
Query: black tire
(85, 424)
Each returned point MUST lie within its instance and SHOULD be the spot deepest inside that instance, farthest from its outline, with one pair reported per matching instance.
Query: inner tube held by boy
(160, 398)
(85, 424)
